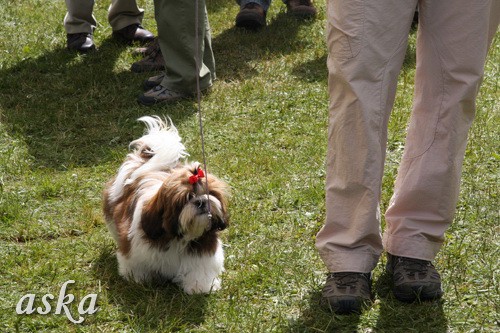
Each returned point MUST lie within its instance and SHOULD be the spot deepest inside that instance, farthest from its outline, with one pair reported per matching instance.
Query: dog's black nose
(221, 225)
(218, 223)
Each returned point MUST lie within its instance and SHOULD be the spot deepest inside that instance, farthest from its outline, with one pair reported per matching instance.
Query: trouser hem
(411, 247)
(349, 261)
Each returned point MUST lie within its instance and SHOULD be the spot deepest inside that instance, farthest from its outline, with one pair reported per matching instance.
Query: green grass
(66, 121)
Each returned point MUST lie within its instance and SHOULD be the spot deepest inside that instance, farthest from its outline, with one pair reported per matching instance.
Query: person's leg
(79, 18)
(367, 43)
(427, 187)
(366, 50)
(207, 54)
(176, 33)
(452, 43)
(125, 18)
(123, 13)
(79, 24)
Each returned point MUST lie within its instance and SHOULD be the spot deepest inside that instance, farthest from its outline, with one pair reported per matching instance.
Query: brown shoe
(414, 279)
(133, 33)
(347, 292)
(301, 8)
(252, 16)
(153, 60)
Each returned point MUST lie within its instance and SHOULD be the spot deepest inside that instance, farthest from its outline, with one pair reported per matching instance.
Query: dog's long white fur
(195, 273)
(164, 144)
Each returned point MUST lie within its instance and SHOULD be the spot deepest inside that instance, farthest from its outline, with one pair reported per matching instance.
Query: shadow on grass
(74, 110)
(214, 6)
(312, 71)
(316, 318)
(395, 316)
(156, 306)
(236, 48)
(70, 109)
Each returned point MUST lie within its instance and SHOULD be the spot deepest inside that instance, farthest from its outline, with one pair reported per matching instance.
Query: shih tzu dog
(165, 214)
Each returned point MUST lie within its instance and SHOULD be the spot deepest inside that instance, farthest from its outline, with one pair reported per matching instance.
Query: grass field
(66, 121)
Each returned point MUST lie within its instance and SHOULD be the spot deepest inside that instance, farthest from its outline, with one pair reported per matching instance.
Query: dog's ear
(152, 219)
(171, 220)
(159, 220)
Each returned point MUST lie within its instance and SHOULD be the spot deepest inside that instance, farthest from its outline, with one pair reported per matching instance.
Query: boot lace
(347, 279)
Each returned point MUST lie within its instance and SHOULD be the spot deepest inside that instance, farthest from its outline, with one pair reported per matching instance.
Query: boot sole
(417, 293)
(250, 21)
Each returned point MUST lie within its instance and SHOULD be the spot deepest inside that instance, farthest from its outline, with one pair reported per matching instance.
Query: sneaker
(160, 94)
(414, 279)
(301, 8)
(153, 81)
(251, 16)
(81, 42)
(347, 292)
(152, 61)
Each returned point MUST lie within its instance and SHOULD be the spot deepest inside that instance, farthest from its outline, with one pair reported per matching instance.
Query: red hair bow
(196, 177)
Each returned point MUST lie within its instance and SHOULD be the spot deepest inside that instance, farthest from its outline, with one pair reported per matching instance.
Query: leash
(198, 97)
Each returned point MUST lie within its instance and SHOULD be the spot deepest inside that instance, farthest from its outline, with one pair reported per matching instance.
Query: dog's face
(185, 208)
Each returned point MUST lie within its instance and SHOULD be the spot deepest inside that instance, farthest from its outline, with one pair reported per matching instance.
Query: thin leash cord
(198, 96)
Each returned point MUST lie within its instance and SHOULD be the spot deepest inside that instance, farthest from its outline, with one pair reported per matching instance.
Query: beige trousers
(121, 13)
(367, 42)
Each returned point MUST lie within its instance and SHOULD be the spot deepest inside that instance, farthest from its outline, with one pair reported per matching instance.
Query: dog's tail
(160, 146)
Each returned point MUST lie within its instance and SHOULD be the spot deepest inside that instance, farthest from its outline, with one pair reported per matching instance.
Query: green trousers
(176, 21)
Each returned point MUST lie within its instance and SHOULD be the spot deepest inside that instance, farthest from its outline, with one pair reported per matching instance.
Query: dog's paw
(202, 287)
(132, 274)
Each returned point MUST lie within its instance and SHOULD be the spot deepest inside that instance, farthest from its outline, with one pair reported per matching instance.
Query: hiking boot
(160, 94)
(252, 16)
(153, 60)
(81, 42)
(133, 33)
(413, 279)
(153, 81)
(301, 8)
(146, 49)
(347, 292)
